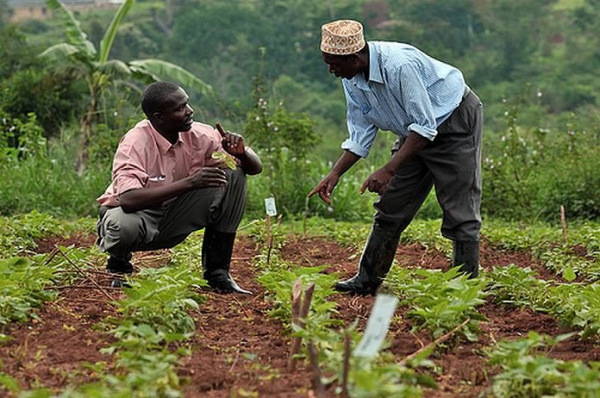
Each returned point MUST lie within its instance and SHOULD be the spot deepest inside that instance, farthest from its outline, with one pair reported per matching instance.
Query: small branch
(563, 221)
(84, 275)
(317, 384)
(346, 368)
(296, 309)
(237, 355)
(308, 294)
(85, 287)
(53, 254)
(248, 315)
(302, 313)
(269, 239)
(434, 343)
(87, 271)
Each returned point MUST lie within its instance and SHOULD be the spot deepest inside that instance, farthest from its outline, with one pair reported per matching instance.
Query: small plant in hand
(226, 160)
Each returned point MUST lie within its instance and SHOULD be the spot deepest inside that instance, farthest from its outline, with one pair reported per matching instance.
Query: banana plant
(100, 72)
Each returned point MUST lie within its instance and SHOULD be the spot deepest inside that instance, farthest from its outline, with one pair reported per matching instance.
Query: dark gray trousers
(452, 164)
(221, 208)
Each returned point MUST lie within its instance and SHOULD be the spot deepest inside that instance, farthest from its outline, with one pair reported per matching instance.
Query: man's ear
(156, 117)
(355, 59)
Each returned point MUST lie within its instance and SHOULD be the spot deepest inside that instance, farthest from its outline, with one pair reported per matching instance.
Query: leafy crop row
(380, 377)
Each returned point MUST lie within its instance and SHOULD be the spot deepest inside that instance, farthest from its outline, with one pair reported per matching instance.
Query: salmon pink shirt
(145, 159)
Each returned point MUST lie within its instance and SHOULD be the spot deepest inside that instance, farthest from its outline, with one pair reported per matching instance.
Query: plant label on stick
(270, 206)
(377, 326)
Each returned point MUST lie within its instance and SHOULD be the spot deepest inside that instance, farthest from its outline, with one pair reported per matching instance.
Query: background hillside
(534, 64)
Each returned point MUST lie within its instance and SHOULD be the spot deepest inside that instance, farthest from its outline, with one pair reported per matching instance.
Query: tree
(100, 72)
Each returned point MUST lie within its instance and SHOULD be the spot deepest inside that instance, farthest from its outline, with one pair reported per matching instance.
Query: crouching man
(168, 180)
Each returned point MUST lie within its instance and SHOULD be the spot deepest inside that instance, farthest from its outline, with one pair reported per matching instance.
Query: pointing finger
(221, 130)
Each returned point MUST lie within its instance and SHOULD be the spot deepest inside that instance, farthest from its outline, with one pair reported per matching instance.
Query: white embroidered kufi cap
(342, 37)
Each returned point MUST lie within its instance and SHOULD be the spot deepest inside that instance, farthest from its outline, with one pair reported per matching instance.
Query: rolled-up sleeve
(417, 102)
(362, 132)
(129, 172)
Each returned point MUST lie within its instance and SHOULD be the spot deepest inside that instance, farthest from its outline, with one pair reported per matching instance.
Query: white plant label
(270, 206)
(377, 326)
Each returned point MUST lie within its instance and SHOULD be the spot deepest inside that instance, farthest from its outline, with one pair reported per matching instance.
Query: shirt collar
(375, 74)
(161, 142)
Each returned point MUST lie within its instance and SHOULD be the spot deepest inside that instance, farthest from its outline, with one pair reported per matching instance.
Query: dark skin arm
(326, 186)
(234, 145)
(379, 180)
(206, 177)
(144, 198)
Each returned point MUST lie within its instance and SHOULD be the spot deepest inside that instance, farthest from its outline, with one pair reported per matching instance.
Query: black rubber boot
(119, 266)
(374, 265)
(217, 248)
(466, 256)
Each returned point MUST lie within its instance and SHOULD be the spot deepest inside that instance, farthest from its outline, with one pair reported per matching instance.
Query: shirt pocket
(365, 108)
(156, 181)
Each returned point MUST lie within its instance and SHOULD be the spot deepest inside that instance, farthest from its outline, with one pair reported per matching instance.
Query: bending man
(438, 121)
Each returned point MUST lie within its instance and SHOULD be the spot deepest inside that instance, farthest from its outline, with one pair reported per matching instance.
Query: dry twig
(434, 343)
(80, 271)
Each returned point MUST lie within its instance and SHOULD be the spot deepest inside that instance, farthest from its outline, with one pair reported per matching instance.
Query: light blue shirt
(407, 91)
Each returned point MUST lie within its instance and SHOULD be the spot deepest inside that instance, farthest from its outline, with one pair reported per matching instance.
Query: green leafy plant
(95, 67)
(528, 371)
(440, 301)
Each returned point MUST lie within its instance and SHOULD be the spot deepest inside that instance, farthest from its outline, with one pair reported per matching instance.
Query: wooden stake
(346, 368)
(269, 239)
(299, 322)
(317, 383)
(563, 221)
(305, 218)
(296, 309)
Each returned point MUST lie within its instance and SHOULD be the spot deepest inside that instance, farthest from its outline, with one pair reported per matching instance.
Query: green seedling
(226, 160)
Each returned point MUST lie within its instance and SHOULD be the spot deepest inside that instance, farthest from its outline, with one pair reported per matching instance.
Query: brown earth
(239, 349)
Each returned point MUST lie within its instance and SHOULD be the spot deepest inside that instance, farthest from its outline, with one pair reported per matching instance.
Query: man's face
(344, 66)
(177, 114)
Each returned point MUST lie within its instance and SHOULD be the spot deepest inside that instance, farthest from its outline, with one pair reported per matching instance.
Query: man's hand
(324, 188)
(208, 177)
(232, 143)
(378, 181)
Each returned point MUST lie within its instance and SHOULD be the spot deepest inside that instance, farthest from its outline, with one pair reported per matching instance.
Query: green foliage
(161, 298)
(279, 284)
(22, 287)
(20, 232)
(381, 377)
(527, 372)
(573, 304)
(51, 185)
(27, 88)
(283, 140)
(21, 140)
(540, 155)
(100, 72)
(533, 172)
(27, 282)
(148, 339)
(519, 287)
(439, 301)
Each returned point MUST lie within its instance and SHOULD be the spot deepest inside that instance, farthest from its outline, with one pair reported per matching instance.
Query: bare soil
(239, 348)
